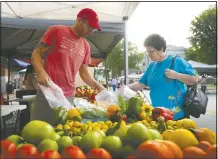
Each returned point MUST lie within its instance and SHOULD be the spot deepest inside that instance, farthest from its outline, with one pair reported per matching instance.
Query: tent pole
(126, 67)
(106, 73)
(9, 76)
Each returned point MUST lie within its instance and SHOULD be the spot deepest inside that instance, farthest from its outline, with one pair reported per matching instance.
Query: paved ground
(209, 119)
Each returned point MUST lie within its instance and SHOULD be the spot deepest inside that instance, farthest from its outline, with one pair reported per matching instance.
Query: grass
(211, 86)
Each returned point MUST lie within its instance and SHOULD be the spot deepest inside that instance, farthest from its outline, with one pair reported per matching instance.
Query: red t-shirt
(67, 54)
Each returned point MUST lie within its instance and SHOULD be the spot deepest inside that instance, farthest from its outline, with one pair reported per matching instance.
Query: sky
(172, 20)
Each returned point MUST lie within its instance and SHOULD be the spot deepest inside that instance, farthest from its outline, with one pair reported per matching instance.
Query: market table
(7, 109)
(22, 99)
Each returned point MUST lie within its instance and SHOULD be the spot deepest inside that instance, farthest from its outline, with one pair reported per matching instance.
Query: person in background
(114, 84)
(118, 83)
(167, 86)
(23, 85)
(66, 52)
(2, 99)
(204, 83)
(109, 83)
(29, 79)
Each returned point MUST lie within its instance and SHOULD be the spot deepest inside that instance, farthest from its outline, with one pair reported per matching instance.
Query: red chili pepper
(92, 98)
(125, 118)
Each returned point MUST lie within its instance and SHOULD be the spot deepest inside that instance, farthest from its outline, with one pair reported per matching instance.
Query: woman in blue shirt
(167, 86)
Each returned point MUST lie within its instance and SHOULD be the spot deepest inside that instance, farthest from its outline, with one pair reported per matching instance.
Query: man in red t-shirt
(66, 52)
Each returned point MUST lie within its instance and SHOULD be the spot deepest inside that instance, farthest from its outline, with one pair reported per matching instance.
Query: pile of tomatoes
(9, 150)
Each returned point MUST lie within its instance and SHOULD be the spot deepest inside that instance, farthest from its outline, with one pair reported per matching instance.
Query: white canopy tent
(200, 65)
(107, 11)
(23, 24)
(203, 68)
(132, 76)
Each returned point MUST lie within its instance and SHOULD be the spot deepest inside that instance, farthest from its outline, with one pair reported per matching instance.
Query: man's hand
(43, 78)
(88, 79)
(100, 88)
(171, 74)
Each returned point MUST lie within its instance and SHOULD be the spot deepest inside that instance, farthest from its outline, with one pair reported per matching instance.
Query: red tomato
(99, 153)
(154, 149)
(8, 149)
(27, 151)
(131, 157)
(73, 152)
(50, 154)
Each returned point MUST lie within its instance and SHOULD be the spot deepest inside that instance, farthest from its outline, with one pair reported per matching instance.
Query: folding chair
(11, 123)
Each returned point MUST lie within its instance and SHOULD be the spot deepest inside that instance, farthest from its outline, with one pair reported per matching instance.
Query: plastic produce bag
(126, 92)
(81, 103)
(89, 110)
(110, 97)
(55, 96)
(106, 98)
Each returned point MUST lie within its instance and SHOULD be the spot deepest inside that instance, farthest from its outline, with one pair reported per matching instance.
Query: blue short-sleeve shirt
(169, 94)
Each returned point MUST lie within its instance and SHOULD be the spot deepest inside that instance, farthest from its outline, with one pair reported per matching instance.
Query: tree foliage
(203, 39)
(115, 60)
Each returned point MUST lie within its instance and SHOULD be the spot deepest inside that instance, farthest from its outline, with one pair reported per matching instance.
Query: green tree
(203, 39)
(115, 60)
(135, 58)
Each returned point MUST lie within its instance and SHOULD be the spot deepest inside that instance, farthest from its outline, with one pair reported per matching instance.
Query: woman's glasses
(150, 51)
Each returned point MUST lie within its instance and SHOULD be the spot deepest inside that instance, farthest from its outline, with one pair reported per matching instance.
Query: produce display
(86, 92)
(131, 129)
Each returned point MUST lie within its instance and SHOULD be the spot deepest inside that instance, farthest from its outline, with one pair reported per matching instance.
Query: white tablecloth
(7, 109)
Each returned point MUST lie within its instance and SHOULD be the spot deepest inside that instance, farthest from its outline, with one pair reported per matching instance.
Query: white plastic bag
(126, 92)
(106, 97)
(55, 96)
(80, 103)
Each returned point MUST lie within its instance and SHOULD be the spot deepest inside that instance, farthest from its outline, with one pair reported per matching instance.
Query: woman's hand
(184, 78)
(171, 74)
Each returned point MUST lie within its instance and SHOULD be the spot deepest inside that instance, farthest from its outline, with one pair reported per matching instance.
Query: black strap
(173, 61)
(172, 65)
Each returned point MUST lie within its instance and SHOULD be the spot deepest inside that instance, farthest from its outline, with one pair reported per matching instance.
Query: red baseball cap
(91, 16)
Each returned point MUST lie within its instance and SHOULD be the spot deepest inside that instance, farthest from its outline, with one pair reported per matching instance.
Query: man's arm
(36, 58)
(88, 79)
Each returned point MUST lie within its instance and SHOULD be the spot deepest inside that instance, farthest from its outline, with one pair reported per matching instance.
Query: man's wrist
(40, 72)
(100, 88)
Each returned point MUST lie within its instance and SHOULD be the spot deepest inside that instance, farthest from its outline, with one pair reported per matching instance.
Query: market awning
(20, 63)
(196, 64)
(24, 23)
(22, 71)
